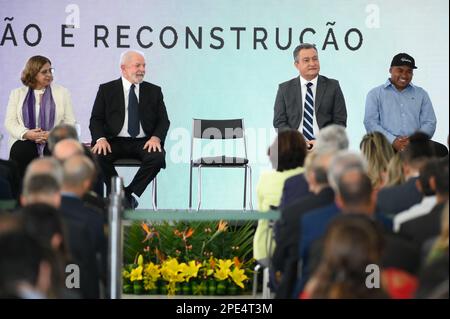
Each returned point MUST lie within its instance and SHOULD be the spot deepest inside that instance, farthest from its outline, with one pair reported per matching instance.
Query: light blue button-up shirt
(399, 113)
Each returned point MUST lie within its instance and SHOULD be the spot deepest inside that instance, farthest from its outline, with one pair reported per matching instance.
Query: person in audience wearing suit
(427, 226)
(395, 199)
(42, 185)
(287, 230)
(355, 195)
(63, 131)
(433, 277)
(78, 172)
(44, 223)
(311, 101)
(33, 110)
(67, 148)
(129, 120)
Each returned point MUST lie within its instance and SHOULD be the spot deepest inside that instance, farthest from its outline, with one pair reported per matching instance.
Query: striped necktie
(308, 114)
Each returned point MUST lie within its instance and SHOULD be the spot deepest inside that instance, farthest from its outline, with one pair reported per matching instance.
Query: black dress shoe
(130, 202)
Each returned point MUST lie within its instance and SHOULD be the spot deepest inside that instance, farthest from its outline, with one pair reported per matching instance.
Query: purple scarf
(46, 118)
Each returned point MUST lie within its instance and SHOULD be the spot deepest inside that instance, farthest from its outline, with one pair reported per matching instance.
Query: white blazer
(14, 120)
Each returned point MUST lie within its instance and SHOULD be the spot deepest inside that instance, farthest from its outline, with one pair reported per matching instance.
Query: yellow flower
(151, 275)
(190, 270)
(170, 271)
(225, 264)
(224, 269)
(125, 274)
(222, 274)
(238, 276)
(149, 285)
(140, 260)
(152, 272)
(136, 274)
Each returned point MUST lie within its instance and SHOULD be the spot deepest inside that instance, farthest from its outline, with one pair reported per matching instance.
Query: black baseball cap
(404, 59)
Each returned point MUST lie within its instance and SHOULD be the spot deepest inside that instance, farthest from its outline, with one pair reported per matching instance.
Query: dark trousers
(10, 172)
(23, 152)
(123, 147)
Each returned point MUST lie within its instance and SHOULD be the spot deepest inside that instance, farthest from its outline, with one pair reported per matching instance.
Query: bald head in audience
(67, 148)
(78, 174)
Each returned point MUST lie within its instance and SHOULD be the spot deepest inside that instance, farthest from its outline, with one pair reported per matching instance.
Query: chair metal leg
(255, 280)
(154, 186)
(250, 186)
(199, 196)
(245, 186)
(266, 293)
(190, 186)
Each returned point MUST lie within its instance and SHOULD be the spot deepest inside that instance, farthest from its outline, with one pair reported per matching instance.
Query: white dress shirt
(126, 90)
(420, 209)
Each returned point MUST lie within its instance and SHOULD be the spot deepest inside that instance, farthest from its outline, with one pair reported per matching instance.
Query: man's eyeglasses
(48, 71)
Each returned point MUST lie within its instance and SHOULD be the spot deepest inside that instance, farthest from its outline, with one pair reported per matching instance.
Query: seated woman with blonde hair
(394, 172)
(377, 151)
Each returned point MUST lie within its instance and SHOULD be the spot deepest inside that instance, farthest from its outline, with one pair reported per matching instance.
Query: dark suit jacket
(10, 172)
(82, 253)
(422, 228)
(285, 256)
(295, 188)
(329, 104)
(74, 209)
(5, 189)
(288, 226)
(395, 199)
(400, 253)
(108, 112)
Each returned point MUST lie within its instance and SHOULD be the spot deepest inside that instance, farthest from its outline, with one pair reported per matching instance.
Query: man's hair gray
(341, 162)
(44, 184)
(302, 46)
(332, 138)
(45, 165)
(124, 56)
(59, 133)
(77, 169)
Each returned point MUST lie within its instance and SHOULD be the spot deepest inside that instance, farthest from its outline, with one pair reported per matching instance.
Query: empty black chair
(219, 130)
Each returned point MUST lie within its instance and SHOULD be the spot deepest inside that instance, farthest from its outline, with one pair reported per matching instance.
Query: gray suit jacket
(329, 104)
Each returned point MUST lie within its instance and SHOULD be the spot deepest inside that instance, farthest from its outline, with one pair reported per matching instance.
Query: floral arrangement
(200, 258)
